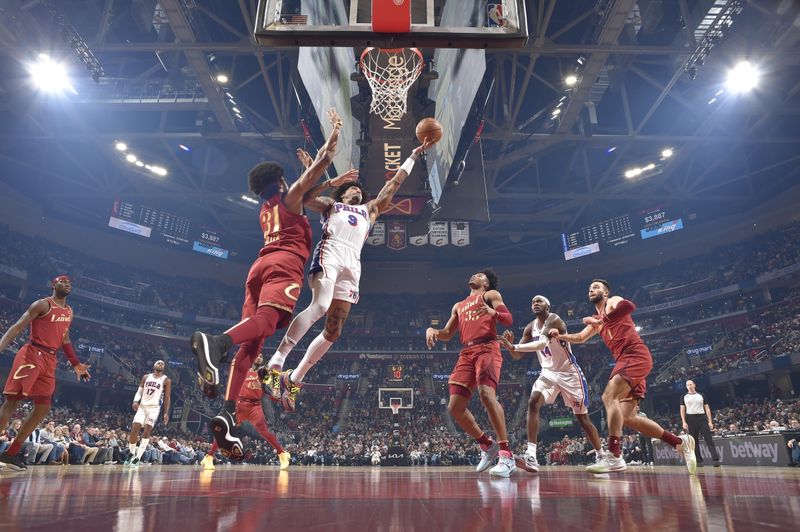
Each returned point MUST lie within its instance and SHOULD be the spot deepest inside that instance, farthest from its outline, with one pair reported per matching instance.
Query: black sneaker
(223, 428)
(14, 462)
(210, 351)
(717, 463)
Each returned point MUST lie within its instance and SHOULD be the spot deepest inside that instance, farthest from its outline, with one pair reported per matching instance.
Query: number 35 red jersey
(283, 229)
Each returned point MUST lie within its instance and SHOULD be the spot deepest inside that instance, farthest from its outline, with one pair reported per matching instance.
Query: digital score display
(165, 227)
(618, 231)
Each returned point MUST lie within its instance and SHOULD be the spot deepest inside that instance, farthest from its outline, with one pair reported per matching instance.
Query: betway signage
(761, 450)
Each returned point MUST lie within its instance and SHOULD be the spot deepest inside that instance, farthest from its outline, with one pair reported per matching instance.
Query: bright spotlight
(236, 110)
(184, 147)
(556, 112)
(49, 76)
(666, 153)
(131, 158)
(633, 172)
(121, 146)
(222, 78)
(158, 170)
(571, 80)
(139, 163)
(649, 167)
(743, 77)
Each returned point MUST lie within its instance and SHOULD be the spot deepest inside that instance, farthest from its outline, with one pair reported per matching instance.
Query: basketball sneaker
(290, 391)
(487, 457)
(135, 463)
(271, 383)
(284, 458)
(14, 462)
(505, 465)
(607, 464)
(208, 462)
(687, 447)
(128, 460)
(210, 351)
(527, 461)
(223, 427)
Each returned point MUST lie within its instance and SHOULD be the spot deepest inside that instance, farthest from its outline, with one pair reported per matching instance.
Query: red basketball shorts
(275, 279)
(634, 366)
(251, 412)
(33, 375)
(476, 365)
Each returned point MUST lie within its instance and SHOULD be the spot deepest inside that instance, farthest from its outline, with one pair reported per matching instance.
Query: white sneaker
(527, 461)
(688, 453)
(505, 466)
(487, 457)
(607, 464)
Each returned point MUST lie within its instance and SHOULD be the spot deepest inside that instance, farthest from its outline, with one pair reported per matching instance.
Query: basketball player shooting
(335, 273)
(33, 373)
(155, 390)
(272, 287)
(560, 375)
(628, 382)
(479, 363)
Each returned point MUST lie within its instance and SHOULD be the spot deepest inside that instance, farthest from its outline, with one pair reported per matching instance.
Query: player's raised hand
(350, 176)
(553, 333)
(591, 321)
(82, 371)
(336, 120)
(431, 337)
(304, 157)
(509, 336)
(419, 150)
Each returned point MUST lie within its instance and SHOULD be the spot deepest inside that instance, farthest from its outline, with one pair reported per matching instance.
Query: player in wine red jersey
(628, 380)
(479, 365)
(272, 287)
(33, 374)
(248, 408)
(335, 274)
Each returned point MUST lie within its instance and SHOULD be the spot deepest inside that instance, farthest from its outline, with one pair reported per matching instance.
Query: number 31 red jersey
(283, 229)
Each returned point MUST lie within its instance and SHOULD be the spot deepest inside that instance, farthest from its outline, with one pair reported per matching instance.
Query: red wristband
(504, 316)
(70, 352)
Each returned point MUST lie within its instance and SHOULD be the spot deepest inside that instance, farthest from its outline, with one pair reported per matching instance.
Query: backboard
(433, 23)
(387, 396)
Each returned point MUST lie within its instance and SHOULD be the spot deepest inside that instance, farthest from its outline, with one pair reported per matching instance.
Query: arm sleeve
(70, 352)
(537, 344)
(683, 400)
(138, 396)
(624, 308)
(504, 316)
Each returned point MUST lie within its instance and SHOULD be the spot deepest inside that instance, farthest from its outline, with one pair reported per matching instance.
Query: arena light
(633, 172)
(743, 77)
(236, 110)
(666, 153)
(50, 76)
(121, 146)
(222, 78)
(571, 80)
(184, 147)
(248, 199)
(650, 166)
(159, 170)
(556, 112)
(131, 158)
(139, 163)
(611, 149)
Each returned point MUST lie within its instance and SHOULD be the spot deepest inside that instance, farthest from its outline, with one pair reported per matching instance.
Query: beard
(595, 299)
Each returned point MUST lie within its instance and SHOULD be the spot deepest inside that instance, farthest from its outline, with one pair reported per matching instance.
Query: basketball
(429, 128)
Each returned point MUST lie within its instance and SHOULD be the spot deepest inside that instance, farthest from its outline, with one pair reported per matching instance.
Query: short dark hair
(341, 189)
(491, 277)
(603, 282)
(263, 175)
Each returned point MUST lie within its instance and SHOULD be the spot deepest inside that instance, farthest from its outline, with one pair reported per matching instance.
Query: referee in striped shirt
(696, 417)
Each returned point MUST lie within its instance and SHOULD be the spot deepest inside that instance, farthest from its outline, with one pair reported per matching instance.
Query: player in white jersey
(154, 391)
(560, 375)
(335, 272)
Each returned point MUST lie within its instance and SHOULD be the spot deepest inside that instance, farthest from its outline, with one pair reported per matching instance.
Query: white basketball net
(390, 73)
(395, 408)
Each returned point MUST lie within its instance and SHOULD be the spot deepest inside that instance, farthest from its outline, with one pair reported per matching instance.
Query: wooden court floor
(304, 499)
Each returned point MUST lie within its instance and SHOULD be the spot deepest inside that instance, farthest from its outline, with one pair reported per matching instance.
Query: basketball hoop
(395, 406)
(390, 74)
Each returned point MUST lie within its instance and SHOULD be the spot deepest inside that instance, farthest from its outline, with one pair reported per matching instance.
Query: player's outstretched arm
(315, 202)
(294, 197)
(81, 370)
(40, 307)
(493, 305)
(507, 342)
(433, 335)
(383, 201)
(574, 338)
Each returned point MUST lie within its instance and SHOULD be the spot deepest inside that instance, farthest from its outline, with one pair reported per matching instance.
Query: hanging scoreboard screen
(648, 223)
(167, 228)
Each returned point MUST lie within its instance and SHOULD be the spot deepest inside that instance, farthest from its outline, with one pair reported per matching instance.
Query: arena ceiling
(646, 84)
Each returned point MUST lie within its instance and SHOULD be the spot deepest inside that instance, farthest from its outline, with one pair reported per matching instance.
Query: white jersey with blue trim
(346, 224)
(153, 390)
(557, 354)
